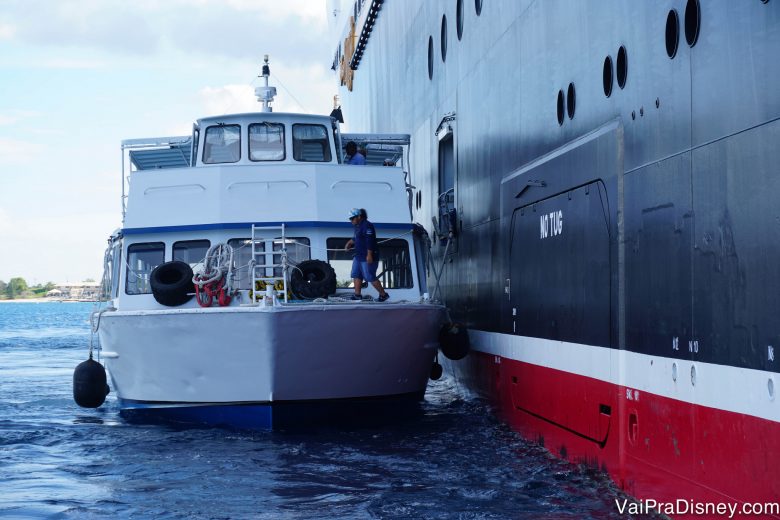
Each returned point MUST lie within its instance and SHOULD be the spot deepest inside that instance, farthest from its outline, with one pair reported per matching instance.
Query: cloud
(5, 221)
(79, 243)
(72, 63)
(228, 99)
(129, 69)
(304, 9)
(16, 151)
(12, 117)
(305, 89)
(108, 25)
(7, 32)
(239, 29)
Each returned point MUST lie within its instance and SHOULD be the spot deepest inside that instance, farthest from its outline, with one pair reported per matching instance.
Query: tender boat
(229, 286)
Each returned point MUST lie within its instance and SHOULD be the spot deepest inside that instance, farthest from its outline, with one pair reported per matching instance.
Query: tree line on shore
(17, 288)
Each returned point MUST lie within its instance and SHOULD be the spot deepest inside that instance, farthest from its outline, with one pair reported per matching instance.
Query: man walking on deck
(366, 256)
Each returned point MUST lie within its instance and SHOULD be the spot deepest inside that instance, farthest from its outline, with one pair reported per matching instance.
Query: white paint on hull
(250, 354)
(722, 387)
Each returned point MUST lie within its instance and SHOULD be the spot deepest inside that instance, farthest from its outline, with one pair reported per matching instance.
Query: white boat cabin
(264, 169)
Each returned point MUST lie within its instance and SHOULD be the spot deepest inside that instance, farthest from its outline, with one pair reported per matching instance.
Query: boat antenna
(265, 94)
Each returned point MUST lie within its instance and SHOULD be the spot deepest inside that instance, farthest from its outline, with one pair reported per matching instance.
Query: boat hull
(613, 192)
(642, 419)
(234, 365)
(358, 412)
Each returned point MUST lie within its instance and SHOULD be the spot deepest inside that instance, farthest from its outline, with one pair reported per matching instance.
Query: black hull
(641, 218)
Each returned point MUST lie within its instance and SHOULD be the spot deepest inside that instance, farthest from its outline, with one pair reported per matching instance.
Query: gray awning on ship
(159, 152)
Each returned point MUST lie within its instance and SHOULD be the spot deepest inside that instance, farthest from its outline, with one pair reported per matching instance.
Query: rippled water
(60, 461)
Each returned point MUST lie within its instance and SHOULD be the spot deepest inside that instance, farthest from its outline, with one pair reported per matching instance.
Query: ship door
(447, 215)
(560, 291)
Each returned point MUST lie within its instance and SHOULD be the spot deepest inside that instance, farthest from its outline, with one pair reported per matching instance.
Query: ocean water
(454, 460)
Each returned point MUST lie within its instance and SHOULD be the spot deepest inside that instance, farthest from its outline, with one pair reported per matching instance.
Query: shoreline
(45, 300)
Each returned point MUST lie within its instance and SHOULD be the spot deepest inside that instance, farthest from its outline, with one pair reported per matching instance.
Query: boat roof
(266, 116)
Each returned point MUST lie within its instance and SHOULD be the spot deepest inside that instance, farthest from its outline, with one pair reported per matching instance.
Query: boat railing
(385, 150)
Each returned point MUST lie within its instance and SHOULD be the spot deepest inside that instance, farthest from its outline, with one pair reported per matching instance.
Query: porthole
(459, 19)
(430, 57)
(692, 22)
(672, 33)
(444, 38)
(622, 67)
(571, 100)
(560, 107)
(478, 7)
(607, 76)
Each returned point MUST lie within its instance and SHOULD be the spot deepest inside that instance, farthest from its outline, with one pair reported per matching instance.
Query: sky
(78, 76)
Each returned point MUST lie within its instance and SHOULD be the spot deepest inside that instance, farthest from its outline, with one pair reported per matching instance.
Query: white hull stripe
(733, 389)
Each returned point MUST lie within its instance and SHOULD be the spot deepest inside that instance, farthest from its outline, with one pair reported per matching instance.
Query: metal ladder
(260, 269)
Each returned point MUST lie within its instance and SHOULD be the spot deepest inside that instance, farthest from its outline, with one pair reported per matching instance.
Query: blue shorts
(364, 270)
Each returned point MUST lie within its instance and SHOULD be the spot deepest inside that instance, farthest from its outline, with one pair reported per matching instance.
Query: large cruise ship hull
(658, 439)
(600, 180)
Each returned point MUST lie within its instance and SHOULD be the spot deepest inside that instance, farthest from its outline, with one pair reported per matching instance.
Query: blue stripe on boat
(247, 225)
(285, 414)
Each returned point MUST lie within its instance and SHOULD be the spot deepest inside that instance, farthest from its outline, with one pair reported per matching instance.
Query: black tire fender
(172, 283)
(313, 279)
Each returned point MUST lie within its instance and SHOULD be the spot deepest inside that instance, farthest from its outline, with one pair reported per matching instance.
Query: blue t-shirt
(365, 241)
(357, 159)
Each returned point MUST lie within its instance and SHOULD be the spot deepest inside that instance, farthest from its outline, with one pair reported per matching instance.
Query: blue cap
(354, 212)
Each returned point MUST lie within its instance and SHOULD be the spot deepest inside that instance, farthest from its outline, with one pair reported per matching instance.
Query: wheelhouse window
(242, 256)
(266, 142)
(195, 141)
(116, 266)
(298, 250)
(192, 252)
(109, 287)
(310, 143)
(141, 261)
(222, 144)
(394, 269)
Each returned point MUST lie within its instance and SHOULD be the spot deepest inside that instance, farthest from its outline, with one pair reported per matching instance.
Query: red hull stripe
(722, 387)
(654, 447)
